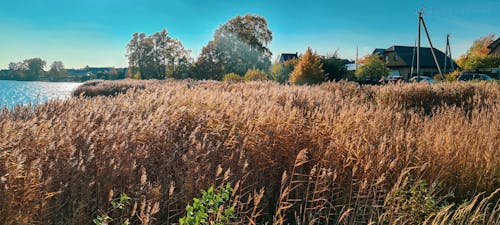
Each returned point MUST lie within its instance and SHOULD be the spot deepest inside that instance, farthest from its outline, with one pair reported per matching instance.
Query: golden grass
(94, 88)
(337, 153)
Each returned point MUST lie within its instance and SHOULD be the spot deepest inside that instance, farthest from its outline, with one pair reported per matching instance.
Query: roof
(288, 56)
(494, 44)
(426, 59)
(379, 51)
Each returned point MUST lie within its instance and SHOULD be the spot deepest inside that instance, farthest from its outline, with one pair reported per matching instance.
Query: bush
(309, 70)
(451, 76)
(280, 72)
(95, 88)
(255, 75)
(373, 69)
(211, 209)
(232, 78)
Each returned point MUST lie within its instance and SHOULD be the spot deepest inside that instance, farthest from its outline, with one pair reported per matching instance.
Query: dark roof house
(495, 47)
(400, 59)
(288, 56)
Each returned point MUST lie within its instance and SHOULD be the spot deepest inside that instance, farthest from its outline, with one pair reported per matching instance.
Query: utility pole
(448, 55)
(356, 57)
(418, 44)
(421, 22)
(432, 49)
(413, 59)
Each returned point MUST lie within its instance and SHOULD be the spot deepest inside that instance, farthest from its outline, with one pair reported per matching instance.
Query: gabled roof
(379, 51)
(493, 45)
(426, 59)
(288, 56)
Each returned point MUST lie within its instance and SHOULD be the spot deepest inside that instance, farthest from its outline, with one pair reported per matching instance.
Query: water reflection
(21, 92)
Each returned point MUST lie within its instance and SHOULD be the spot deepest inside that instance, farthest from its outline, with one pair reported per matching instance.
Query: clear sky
(96, 32)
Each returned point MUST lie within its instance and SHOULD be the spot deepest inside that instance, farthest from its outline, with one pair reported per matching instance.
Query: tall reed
(337, 153)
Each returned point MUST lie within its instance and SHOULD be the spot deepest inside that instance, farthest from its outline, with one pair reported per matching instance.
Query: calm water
(25, 92)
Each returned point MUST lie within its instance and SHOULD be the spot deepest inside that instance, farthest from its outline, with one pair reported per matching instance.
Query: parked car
(393, 79)
(423, 79)
(472, 76)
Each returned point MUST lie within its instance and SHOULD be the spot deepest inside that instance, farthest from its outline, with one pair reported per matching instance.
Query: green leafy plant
(416, 201)
(121, 204)
(212, 208)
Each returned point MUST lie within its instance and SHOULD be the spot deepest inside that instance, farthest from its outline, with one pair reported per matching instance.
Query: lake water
(25, 92)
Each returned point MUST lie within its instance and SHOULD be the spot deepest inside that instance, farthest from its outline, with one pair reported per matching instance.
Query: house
(495, 47)
(399, 59)
(288, 56)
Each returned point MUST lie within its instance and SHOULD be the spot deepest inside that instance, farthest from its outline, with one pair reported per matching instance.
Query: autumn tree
(373, 68)
(238, 45)
(477, 56)
(156, 56)
(309, 70)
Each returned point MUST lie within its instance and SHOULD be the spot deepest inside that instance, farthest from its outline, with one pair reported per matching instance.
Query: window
(396, 57)
(386, 58)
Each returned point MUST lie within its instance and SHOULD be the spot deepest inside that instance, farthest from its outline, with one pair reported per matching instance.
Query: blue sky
(95, 32)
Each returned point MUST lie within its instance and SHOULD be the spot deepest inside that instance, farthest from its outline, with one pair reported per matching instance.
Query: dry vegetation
(109, 88)
(337, 153)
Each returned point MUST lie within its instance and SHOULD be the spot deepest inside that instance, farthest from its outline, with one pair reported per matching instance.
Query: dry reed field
(337, 153)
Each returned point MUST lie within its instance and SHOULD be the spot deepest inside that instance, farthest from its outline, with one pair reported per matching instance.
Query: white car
(423, 79)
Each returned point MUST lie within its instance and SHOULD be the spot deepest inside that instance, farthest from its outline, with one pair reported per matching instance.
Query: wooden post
(446, 53)
(432, 49)
(418, 45)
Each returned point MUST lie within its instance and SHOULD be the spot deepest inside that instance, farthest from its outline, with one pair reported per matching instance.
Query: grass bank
(337, 153)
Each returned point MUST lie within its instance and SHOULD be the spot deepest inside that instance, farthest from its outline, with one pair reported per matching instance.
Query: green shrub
(119, 204)
(213, 208)
(373, 69)
(414, 202)
(280, 72)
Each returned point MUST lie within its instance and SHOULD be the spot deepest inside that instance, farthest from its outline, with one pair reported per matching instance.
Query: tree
(238, 45)
(17, 70)
(35, 68)
(477, 56)
(57, 71)
(280, 72)
(209, 64)
(156, 56)
(372, 69)
(29, 69)
(309, 70)
(334, 67)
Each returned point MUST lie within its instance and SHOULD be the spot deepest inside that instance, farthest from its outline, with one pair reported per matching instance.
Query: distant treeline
(239, 50)
(34, 70)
